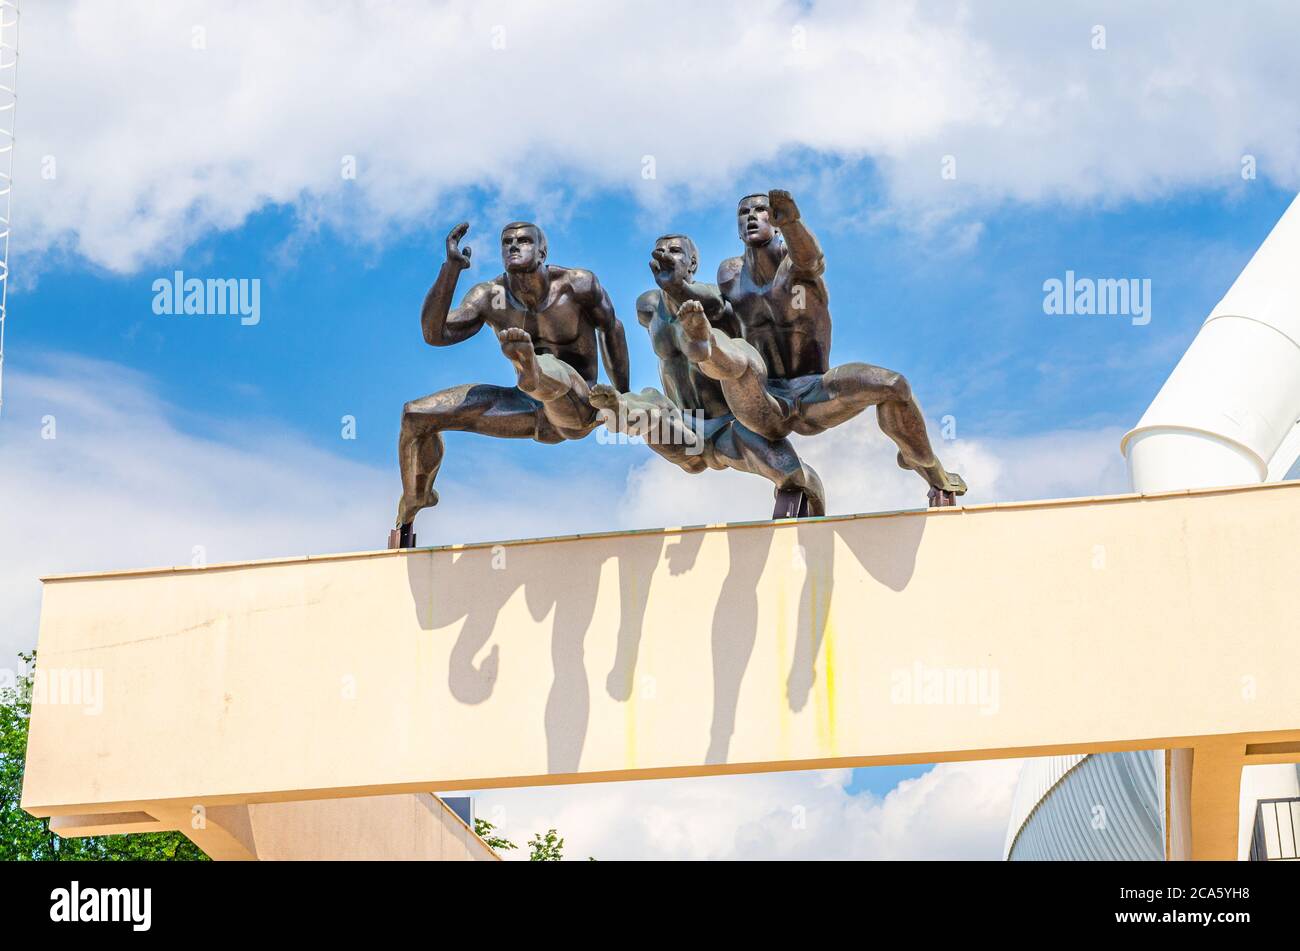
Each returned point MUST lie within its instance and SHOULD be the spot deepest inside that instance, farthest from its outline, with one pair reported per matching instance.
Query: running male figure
(550, 322)
(707, 434)
(777, 379)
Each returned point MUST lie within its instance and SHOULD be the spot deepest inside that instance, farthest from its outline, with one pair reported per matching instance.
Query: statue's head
(523, 247)
(753, 221)
(674, 259)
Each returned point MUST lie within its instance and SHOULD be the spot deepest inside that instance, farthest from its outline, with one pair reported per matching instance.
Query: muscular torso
(682, 382)
(793, 340)
(559, 324)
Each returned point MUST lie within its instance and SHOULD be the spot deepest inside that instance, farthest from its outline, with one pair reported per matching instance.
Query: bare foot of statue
(408, 508)
(940, 479)
(608, 403)
(603, 396)
(697, 331)
(518, 348)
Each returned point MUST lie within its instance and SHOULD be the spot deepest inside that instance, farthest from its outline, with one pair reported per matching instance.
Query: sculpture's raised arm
(441, 325)
(805, 253)
(554, 324)
(778, 378)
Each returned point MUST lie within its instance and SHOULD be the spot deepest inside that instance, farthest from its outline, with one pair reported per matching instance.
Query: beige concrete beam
(962, 633)
(108, 823)
(224, 833)
(412, 827)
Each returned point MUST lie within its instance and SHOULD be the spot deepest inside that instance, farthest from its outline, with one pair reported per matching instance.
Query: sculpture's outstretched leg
(669, 433)
(557, 386)
(652, 416)
(847, 390)
(471, 407)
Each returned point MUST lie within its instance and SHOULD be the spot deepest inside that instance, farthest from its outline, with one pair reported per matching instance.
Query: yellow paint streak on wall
(823, 661)
(783, 660)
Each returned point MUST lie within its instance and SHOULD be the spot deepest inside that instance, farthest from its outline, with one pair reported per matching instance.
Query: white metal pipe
(1228, 412)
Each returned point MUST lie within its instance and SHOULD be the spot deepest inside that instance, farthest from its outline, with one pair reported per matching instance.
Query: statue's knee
(788, 474)
(419, 422)
(410, 417)
(899, 388)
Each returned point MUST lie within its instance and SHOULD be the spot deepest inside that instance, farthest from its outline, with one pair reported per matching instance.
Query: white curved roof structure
(1096, 808)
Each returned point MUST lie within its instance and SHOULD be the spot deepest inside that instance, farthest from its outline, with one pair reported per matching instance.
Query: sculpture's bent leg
(471, 407)
(848, 389)
(655, 418)
(560, 389)
(739, 368)
(774, 460)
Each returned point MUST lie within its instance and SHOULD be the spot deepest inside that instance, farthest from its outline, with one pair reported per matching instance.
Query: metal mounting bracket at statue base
(790, 503)
(401, 537)
(941, 498)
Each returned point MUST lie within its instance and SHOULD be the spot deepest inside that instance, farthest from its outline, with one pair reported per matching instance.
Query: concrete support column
(1215, 797)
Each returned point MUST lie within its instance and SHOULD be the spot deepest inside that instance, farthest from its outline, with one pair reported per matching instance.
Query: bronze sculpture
(550, 322)
(776, 375)
(743, 363)
(689, 423)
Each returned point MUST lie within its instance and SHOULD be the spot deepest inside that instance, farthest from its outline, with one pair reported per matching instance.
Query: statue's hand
(781, 207)
(696, 330)
(455, 254)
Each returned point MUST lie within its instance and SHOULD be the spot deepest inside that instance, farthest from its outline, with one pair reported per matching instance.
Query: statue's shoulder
(484, 289)
(647, 304)
(649, 300)
(729, 270)
(582, 281)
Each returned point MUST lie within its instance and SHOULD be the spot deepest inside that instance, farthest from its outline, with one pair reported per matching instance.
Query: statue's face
(753, 222)
(672, 259)
(520, 250)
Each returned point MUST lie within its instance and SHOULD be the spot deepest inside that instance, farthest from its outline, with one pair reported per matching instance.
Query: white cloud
(857, 464)
(954, 811)
(156, 142)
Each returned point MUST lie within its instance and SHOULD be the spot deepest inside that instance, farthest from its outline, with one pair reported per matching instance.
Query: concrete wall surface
(1040, 628)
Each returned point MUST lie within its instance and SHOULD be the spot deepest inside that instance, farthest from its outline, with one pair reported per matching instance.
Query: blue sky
(208, 138)
(339, 332)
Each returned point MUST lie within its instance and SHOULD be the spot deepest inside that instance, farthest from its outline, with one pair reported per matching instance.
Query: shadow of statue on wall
(473, 586)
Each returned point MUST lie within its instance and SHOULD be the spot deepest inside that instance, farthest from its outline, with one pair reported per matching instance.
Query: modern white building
(1112, 807)
(1229, 414)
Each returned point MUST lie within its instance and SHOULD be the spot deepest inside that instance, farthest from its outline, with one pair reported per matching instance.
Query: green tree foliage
(541, 848)
(547, 848)
(26, 838)
(488, 833)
